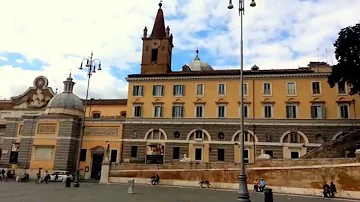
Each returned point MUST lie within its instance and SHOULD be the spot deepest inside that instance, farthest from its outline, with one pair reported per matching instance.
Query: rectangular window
(341, 88)
(199, 111)
(198, 134)
(176, 153)
(43, 153)
(268, 111)
(178, 90)
(177, 111)
(270, 153)
(294, 155)
(267, 89)
(158, 111)
(158, 90)
(138, 90)
(344, 111)
(318, 111)
(246, 111)
(316, 88)
(154, 55)
(137, 110)
(291, 88)
(221, 89)
(198, 154)
(133, 151)
(199, 89)
(246, 156)
(96, 115)
(113, 156)
(294, 138)
(221, 154)
(291, 111)
(245, 89)
(221, 111)
(83, 154)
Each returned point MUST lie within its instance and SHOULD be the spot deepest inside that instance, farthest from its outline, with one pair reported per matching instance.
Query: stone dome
(66, 103)
(198, 65)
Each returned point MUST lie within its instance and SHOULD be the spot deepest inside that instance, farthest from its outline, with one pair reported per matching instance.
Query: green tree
(347, 53)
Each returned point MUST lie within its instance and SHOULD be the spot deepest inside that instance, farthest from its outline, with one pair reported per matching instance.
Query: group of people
(40, 179)
(259, 186)
(155, 179)
(329, 190)
(9, 174)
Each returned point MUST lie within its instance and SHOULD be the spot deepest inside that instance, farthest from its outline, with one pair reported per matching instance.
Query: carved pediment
(37, 96)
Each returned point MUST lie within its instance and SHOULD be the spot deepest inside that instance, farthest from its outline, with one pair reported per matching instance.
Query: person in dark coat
(332, 189)
(326, 190)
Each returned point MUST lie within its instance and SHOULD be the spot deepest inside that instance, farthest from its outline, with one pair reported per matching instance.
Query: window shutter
(134, 90)
(162, 90)
(161, 111)
(174, 90)
(182, 111)
(313, 112)
(141, 88)
(140, 111)
(183, 90)
(154, 90)
(323, 112)
(287, 112)
(173, 111)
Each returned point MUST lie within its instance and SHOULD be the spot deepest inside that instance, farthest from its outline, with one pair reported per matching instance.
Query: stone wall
(337, 148)
(227, 166)
(283, 173)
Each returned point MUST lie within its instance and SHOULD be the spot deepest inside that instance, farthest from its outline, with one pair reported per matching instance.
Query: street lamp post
(243, 194)
(92, 64)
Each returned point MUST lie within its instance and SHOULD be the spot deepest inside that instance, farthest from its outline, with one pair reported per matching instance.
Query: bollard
(268, 195)
(67, 181)
(131, 184)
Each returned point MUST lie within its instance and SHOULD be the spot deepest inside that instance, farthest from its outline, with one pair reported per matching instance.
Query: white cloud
(47, 31)
(2, 58)
(19, 61)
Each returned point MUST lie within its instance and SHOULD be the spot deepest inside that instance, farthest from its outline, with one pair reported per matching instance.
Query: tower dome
(66, 103)
(198, 65)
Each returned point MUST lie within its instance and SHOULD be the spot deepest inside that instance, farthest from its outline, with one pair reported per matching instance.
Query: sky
(51, 38)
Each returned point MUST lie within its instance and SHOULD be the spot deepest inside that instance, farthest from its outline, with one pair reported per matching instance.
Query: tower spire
(159, 24)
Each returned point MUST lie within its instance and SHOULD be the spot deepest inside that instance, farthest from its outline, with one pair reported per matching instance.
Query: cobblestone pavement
(91, 192)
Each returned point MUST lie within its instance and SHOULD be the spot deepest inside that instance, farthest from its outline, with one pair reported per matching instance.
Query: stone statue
(185, 159)
(107, 152)
(263, 155)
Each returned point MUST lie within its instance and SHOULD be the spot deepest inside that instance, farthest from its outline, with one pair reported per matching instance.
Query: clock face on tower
(155, 43)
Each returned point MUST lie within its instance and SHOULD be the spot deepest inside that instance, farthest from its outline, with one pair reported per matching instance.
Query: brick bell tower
(157, 48)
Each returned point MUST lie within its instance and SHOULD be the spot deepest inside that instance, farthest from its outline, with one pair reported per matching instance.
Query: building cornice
(227, 77)
(248, 122)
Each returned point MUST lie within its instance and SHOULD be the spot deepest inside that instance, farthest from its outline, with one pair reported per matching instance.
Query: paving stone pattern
(91, 192)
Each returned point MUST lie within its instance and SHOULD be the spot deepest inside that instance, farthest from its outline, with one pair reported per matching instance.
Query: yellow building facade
(194, 114)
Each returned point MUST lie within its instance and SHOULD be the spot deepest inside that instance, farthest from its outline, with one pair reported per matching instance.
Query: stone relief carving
(46, 128)
(39, 100)
(102, 131)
